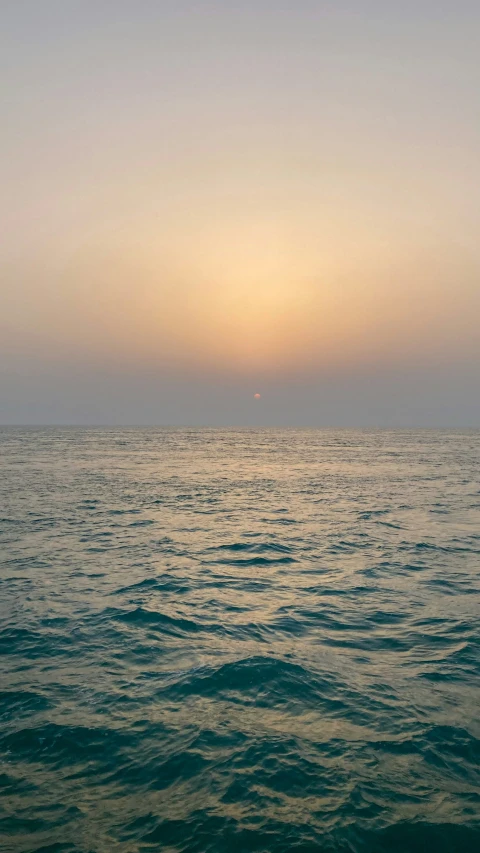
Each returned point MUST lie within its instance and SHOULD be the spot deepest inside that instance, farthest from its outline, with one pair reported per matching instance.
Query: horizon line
(71, 425)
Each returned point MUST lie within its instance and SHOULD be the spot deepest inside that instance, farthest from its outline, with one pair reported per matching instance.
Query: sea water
(239, 640)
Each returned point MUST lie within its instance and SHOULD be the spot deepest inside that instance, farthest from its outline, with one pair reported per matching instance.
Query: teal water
(239, 640)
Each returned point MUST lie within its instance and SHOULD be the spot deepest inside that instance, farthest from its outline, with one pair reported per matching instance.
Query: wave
(239, 640)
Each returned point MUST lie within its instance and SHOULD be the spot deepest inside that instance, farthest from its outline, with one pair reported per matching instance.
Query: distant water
(239, 640)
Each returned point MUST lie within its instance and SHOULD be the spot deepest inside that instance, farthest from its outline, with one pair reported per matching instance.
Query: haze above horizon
(251, 214)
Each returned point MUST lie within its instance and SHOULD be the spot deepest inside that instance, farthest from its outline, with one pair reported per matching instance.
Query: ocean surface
(239, 640)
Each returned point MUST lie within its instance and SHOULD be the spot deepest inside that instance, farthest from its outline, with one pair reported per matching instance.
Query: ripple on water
(239, 640)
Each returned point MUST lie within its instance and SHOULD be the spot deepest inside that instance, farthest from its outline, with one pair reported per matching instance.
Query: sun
(257, 396)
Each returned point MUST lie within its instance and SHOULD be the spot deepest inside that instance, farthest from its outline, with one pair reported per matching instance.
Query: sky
(206, 201)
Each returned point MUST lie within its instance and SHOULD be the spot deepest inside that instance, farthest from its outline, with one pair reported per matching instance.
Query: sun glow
(241, 296)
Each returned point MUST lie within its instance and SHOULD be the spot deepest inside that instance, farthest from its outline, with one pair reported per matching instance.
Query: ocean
(239, 640)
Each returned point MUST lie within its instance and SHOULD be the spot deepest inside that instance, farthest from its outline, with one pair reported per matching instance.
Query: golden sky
(281, 190)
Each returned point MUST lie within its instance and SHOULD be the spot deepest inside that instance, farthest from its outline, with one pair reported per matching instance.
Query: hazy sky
(204, 200)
